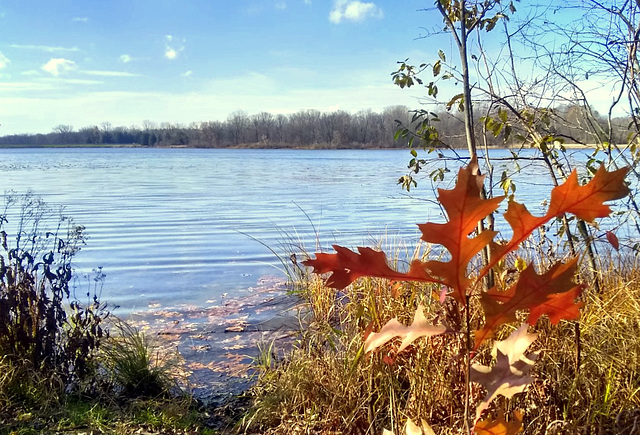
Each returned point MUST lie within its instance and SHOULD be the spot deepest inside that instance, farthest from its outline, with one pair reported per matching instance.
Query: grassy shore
(326, 385)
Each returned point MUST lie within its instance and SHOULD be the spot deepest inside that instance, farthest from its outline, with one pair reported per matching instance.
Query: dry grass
(326, 384)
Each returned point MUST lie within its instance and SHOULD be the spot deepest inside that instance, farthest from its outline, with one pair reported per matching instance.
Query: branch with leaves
(552, 293)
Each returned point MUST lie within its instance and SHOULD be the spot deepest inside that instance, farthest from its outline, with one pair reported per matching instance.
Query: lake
(190, 227)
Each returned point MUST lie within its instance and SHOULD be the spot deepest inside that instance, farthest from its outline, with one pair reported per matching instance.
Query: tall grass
(133, 365)
(327, 385)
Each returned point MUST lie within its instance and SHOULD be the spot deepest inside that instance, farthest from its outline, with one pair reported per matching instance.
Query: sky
(85, 62)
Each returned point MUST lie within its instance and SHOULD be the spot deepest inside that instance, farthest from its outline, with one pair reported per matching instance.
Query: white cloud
(187, 73)
(56, 66)
(307, 2)
(4, 61)
(125, 58)
(37, 111)
(353, 10)
(109, 73)
(47, 48)
(24, 86)
(80, 19)
(80, 81)
(31, 72)
(170, 53)
(281, 5)
(171, 49)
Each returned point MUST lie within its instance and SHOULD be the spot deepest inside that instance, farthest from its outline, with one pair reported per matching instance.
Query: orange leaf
(465, 208)
(552, 293)
(510, 374)
(586, 202)
(499, 426)
(347, 266)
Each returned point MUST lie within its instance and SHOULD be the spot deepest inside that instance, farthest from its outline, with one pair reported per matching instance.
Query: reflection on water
(169, 226)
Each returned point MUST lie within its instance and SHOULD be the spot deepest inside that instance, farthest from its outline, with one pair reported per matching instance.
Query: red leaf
(552, 293)
(465, 208)
(613, 240)
(347, 266)
(586, 202)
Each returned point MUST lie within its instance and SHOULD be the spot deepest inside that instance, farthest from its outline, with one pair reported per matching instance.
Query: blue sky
(84, 62)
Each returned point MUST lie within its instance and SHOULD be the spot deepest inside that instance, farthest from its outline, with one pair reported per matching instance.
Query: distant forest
(304, 129)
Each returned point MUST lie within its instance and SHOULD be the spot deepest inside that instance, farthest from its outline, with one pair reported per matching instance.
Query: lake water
(175, 227)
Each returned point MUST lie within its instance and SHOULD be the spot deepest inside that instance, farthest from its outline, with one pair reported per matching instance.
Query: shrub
(43, 326)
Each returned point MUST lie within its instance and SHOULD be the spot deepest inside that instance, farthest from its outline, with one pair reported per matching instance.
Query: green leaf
(457, 97)
(436, 68)
(502, 114)
(507, 132)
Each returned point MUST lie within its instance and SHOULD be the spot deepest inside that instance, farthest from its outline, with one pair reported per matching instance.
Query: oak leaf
(584, 201)
(465, 209)
(413, 429)
(499, 426)
(393, 328)
(510, 374)
(552, 293)
(347, 266)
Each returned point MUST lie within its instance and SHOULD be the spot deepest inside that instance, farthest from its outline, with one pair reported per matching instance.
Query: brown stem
(467, 383)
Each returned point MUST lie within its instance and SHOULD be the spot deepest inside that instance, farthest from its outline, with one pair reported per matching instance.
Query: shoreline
(572, 146)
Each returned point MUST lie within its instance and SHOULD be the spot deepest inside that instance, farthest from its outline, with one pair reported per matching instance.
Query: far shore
(259, 146)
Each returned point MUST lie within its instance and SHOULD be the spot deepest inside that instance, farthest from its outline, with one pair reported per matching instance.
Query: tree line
(305, 129)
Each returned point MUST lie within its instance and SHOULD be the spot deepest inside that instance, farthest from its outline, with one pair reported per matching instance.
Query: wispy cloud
(108, 73)
(172, 47)
(353, 10)
(47, 48)
(125, 58)
(24, 86)
(80, 19)
(57, 66)
(4, 61)
(281, 5)
(187, 74)
(307, 2)
(80, 81)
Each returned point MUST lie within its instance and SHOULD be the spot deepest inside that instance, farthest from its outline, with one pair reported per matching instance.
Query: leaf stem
(467, 385)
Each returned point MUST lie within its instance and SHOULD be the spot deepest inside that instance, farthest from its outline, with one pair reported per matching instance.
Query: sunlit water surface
(179, 227)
